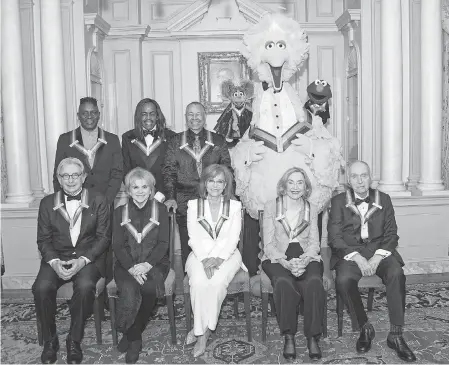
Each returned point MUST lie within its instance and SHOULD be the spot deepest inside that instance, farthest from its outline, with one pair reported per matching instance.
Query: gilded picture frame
(214, 68)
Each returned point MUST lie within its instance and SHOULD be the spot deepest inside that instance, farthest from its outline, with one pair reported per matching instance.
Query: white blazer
(223, 245)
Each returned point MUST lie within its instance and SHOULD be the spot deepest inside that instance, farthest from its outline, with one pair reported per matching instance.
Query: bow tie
(73, 197)
(152, 133)
(360, 201)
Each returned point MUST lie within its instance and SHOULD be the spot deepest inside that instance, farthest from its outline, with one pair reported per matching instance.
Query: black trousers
(288, 290)
(184, 238)
(392, 275)
(149, 300)
(81, 305)
(251, 249)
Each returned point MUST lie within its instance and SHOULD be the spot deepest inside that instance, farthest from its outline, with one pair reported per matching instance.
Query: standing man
(99, 151)
(363, 237)
(146, 144)
(101, 155)
(73, 233)
(188, 153)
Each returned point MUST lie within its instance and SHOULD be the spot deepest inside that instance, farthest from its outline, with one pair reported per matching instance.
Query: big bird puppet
(280, 136)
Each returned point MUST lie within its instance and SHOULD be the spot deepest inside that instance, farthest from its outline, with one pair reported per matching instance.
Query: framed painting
(214, 68)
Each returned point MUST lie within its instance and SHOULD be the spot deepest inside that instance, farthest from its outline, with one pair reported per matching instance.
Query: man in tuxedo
(363, 237)
(146, 144)
(73, 234)
(101, 155)
(99, 151)
(188, 153)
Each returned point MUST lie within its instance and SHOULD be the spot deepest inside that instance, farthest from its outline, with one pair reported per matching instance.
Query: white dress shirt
(363, 209)
(149, 138)
(71, 207)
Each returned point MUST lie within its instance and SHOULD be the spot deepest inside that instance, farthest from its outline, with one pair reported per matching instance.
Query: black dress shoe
(49, 353)
(132, 355)
(367, 333)
(400, 346)
(314, 348)
(123, 344)
(74, 353)
(289, 347)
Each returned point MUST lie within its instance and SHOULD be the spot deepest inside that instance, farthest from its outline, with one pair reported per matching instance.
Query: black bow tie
(73, 197)
(360, 201)
(152, 133)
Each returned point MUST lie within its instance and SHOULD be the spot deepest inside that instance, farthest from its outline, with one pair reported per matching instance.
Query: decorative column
(13, 102)
(391, 64)
(53, 79)
(431, 97)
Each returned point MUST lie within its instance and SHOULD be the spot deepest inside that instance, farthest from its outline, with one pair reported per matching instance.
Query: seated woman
(213, 223)
(140, 241)
(291, 259)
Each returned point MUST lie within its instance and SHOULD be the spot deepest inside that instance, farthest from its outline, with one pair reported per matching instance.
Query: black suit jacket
(53, 233)
(107, 173)
(179, 172)
(133, 156)
(344, 228)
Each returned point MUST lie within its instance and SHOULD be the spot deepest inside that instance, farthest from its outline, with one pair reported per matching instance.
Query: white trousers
(207, 295)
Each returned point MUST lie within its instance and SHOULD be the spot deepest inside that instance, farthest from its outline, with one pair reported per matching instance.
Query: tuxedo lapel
(85, 216)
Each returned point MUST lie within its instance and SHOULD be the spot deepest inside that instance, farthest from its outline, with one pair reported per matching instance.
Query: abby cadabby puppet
(280, 136)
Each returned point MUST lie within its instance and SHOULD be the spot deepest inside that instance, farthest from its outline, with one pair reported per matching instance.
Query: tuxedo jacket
(180, 174)
(276, 239)
(53, 233)
(344, 227)
(134, 156)
(107, 173)
(214, 240)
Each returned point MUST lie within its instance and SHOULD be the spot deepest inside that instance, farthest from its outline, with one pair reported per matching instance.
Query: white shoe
(200, 346)
(191, 338)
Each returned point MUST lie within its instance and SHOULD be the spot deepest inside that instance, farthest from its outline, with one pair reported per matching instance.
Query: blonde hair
(138, 173)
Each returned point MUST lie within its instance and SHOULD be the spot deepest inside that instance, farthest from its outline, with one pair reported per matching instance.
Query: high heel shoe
(191, 338)
(201, 344)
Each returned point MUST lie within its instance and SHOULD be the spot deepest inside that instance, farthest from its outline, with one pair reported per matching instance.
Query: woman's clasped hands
(211, 264)
(139, 271)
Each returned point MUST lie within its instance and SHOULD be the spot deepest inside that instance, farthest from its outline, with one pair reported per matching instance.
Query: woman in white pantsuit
(213, 223)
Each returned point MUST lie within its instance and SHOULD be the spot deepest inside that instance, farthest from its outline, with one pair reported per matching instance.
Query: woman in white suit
(213, 223)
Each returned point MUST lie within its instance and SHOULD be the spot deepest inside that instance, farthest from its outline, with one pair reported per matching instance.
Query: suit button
(275, 105)
(74, 253)
(277, 116)
(91, 185)
(91, 173)
(277, 127)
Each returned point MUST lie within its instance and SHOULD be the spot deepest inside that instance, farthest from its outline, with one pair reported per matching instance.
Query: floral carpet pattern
(427, 333)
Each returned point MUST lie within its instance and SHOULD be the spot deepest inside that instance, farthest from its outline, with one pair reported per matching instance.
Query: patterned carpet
(427, 333)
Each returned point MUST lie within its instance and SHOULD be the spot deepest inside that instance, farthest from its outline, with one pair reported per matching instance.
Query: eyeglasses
(93, 114)
(216, 182)
(356, 177)
(67, 177)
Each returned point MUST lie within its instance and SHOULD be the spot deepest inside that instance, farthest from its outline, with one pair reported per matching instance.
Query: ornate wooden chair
(65, 292)
(239, 284)
(266, 289)
(169, 289)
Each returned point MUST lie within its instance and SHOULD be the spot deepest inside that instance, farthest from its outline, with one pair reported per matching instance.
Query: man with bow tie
(363, 237)
(99, 151)
(145, 145)
(73, 235)
(188, 153)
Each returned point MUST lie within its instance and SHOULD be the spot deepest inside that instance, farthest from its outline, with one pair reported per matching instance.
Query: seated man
(73, 233)
(363, 238)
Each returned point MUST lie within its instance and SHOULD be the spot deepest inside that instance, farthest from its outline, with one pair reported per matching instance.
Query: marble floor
(427, 333)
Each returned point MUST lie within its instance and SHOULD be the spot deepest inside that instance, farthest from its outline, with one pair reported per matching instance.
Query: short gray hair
(70, 161)
(138, 173)
(348, 170)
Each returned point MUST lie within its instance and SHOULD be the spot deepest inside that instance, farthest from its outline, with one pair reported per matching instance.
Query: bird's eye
(236, 94)
(324, 83)
(240, 94)
(269, 45)
(317, 82)
(281, 45)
